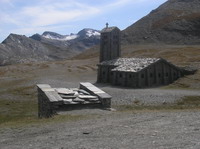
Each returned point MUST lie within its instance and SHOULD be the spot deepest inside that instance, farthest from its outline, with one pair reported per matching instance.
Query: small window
(159, 75)
(130, 76)
(151, 75)
(115, 42)
(115, 36)
(111, 73)
(120, 75)
(174, 74)
(105, 36)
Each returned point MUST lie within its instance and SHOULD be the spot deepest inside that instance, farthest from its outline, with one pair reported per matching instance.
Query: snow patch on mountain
(92, 33)
(71, 37)
(63, 38)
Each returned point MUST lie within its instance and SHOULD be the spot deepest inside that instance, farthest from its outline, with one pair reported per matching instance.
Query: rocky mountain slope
(174, 22)
(20, 49)
(46, 47)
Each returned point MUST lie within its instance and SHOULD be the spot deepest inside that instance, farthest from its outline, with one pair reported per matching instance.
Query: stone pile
(51, 100)
(76, 96)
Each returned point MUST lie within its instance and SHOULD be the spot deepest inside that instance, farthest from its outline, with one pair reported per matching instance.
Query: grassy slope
(180, 55)
(18, 92)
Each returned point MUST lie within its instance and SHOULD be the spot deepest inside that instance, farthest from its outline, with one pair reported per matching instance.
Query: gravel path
(160, 130)
(153, 96)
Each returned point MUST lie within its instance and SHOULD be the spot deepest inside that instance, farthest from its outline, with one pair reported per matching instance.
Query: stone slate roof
(130, 64)
(108, 29)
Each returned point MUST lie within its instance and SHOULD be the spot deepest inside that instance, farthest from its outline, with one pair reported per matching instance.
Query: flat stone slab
(70, 102)
(50, 93)
(103, 97)
(80, 91)
(78, 100)
(68, 96)
(93, 100)
(65, 91)
(53, 96)
(87, 97)
(90, 88)
(42, 86)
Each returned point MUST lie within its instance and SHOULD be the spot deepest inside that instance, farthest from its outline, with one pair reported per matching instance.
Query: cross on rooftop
(107, 25)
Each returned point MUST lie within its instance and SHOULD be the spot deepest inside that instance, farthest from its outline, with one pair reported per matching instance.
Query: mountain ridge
(174, 22)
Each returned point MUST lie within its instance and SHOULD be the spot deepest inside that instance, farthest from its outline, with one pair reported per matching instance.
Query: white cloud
(48, 15)
(6, 3)
(120, 3)
(48, 12)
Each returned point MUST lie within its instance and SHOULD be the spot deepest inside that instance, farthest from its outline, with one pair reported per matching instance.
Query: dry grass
(81, 67)
(44, 66)
(20, 112)
(93, 68)
(17, 110)
(2, 73)
(186, 82)
(180, 55)
(88, 54)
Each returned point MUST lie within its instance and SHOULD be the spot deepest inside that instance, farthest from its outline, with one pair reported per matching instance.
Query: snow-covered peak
(51, 37)
(63, 38)
(92, 33)
(55, 36)
(88, 33)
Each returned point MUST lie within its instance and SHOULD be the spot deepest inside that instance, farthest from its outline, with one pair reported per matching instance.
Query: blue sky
(27, 17)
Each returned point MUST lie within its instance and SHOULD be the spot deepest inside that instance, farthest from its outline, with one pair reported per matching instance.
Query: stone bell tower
(110, 47)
